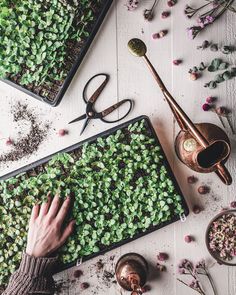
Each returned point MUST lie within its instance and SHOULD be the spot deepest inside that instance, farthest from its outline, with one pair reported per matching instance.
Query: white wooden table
(130, 79)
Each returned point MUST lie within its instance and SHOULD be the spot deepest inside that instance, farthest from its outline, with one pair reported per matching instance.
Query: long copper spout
(138, 48)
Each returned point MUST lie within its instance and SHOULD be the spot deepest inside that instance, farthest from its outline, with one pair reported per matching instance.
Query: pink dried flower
(233, 204)
(163, 33)
(194, 76)
(78, 273)
(165, 14)
(193, 31)
(162, 256)
(171, 3)
(84, 286)
(206, 107)
(192, 179)
(63, 132)
(9, 141)
(132, 4)
(196, 209)
(161, 267)
(210, 99)
(155, 36)
(176, 62)
(145, 289)
(203, 190)
(188, 239)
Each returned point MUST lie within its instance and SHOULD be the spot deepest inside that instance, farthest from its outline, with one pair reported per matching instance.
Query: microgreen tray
(126, 164)
(46, 66)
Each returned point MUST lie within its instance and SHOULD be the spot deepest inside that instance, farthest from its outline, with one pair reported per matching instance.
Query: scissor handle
(113, 108)
(96, 94)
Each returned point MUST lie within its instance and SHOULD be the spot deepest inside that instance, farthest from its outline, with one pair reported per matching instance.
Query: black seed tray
(91, 140)
(55, 102)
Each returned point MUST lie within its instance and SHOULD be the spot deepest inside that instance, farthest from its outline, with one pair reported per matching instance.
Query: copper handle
(182, 119)
(223, 174)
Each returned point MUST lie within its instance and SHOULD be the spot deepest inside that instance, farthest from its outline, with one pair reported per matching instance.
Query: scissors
(90, 110)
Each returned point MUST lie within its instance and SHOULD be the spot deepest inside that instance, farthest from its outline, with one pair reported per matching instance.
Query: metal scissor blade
(78, 119)
(85, 125)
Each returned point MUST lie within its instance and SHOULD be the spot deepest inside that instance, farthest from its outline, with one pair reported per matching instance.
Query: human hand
(46, 233)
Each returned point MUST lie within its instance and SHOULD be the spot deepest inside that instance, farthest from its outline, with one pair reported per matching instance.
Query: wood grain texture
(131, 79)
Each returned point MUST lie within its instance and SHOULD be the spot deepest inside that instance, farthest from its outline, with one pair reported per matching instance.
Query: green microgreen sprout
(120, 184)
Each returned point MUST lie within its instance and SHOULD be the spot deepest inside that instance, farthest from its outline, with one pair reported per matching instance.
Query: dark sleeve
(34, 276)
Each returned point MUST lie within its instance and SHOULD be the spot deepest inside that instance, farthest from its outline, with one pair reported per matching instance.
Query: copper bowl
(215, 254)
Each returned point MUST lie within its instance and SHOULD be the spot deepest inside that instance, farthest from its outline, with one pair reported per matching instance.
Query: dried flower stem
(199, 291)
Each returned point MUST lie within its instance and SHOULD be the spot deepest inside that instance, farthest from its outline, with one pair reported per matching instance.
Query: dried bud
(205, 44)
(163, 33)
(192, 179)
(188, 239)
(63, 132)
(210, 99)
(176, 62)
(194, 76)
(171, 3)
(162, 256)
(165, 14)
(155, 36)
(196, 209)
(222, 111)
(148, 14)
(145, 289)
(84, 286)
(203, 190)
(78, 273)
(233, 204)
(214, 47)
(206, 107)
(9, 141)
(161, 267)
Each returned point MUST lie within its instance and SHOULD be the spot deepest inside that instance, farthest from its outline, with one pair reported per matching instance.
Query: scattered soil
(28, 144)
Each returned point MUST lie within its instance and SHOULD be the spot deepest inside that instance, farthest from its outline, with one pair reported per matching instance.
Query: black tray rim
(75, 66)
(24, 169)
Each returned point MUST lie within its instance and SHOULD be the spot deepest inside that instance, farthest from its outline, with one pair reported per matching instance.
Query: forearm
(34, 276)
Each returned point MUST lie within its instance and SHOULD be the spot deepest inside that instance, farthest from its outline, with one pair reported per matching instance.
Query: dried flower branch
(215, 8)
(195, 271)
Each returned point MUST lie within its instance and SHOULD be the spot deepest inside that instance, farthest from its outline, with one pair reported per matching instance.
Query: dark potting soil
(50, 90)
(29, 143)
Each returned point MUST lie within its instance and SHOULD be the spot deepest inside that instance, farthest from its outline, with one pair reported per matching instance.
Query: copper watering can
(203, 147)
(131, 273)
